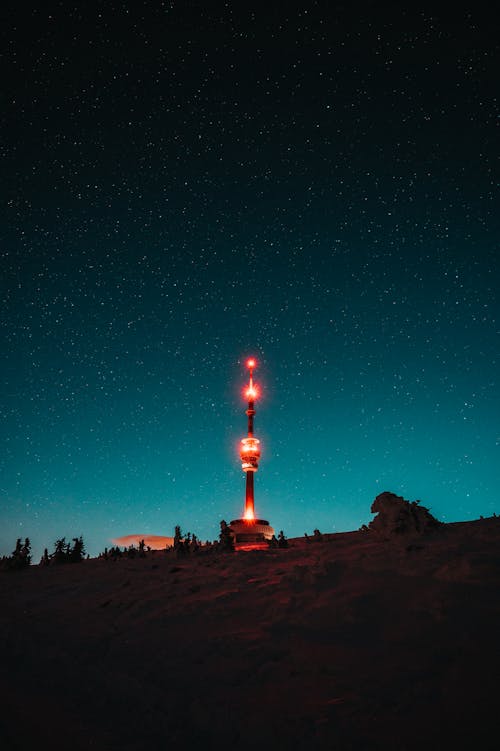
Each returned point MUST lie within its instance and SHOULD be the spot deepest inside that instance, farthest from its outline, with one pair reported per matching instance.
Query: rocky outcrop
(396, 516)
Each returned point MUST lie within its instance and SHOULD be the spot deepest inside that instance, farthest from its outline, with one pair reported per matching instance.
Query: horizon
(162, 543)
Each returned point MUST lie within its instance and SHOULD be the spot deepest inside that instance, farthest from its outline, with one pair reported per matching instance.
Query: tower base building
(251, 530)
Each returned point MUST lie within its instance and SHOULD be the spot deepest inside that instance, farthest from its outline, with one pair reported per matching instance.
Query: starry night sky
(187, 184)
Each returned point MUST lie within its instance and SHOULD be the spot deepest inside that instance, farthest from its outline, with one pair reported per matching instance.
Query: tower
(250, 451)
(249, 529)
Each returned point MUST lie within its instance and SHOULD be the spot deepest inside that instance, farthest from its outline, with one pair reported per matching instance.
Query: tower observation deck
(249, 529)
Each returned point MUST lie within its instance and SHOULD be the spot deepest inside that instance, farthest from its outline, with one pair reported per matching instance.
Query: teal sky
(313, 188)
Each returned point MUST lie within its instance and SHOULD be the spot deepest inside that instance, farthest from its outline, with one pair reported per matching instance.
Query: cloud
(155, 542)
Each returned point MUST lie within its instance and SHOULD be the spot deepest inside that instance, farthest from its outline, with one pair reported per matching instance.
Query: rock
(396, 516)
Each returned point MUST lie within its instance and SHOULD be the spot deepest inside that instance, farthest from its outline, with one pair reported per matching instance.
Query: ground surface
(349, 643)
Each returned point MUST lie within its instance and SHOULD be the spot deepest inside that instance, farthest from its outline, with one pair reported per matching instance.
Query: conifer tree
(60, 547)
(26, 552)
(21, 555)
(177, 537)
(179, 547)
(77, 552)
(226, 538)
(17, 552)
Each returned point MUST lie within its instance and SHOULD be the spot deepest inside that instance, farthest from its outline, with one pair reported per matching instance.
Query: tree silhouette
(77, 552)
(282, 541)
(17, 552)
(177, 537)
(59, 554)
(179, 546)
(65, 553)
(26, 552)
(226, 537)
(20, 557)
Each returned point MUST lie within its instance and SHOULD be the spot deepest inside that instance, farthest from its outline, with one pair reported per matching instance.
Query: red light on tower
(251, 392)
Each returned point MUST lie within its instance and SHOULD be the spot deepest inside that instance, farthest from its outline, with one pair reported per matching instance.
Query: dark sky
(185, 184)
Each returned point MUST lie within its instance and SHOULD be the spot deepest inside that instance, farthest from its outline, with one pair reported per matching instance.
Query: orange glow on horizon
(155, 542)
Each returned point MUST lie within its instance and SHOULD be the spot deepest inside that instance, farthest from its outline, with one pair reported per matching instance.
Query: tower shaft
(249, 499)
(250, 412)
(249, 496)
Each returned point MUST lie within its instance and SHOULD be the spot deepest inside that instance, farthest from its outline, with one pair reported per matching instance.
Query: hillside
(353, 642)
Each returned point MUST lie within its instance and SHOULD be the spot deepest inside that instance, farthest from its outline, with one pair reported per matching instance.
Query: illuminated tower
(249, 529)
(250, 451)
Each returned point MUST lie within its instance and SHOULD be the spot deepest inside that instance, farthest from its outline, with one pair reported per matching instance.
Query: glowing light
(251, 393)
(249, 515)
(250, 445)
